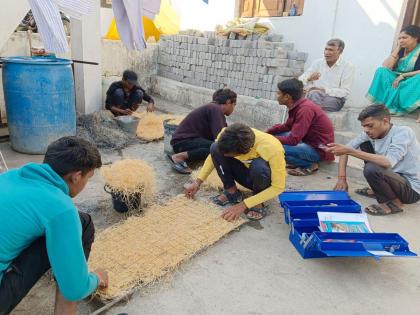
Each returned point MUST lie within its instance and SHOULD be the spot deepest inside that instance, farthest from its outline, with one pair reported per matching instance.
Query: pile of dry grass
(142, 249)
(129, 178)
(150, 127)
(213, 182)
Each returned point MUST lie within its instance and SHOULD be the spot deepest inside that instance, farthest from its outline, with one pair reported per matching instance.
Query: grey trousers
(326, 102)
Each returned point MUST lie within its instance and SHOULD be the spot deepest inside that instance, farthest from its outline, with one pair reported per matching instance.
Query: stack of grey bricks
(249, 67)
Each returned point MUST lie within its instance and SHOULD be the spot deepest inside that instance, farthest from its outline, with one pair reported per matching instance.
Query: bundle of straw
(150, 127)
(129, 178)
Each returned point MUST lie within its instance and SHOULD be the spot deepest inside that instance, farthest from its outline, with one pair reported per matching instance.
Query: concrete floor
(254, 270)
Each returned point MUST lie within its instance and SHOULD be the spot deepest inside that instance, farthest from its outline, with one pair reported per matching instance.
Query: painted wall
(367, 27)
(11, 14)
(198, 15)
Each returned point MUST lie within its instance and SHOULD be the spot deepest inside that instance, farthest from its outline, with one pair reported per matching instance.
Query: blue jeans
(301, 155)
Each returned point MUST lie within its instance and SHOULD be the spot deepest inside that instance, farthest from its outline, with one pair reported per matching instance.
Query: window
(253, 8)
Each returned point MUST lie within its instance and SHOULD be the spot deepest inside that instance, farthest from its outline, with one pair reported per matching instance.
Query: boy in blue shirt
(40, 228)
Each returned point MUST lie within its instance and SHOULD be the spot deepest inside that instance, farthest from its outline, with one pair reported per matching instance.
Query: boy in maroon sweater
(192, 139)
(305, 133)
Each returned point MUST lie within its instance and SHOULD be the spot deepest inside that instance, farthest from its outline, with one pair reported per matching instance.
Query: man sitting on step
(328, 80)
(251, 158)
(306, 131)
(392, 161)
(192, 139)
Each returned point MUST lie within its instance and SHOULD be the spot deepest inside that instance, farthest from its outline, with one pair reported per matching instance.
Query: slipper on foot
(180, 167)
(261, 211)
(378, 210)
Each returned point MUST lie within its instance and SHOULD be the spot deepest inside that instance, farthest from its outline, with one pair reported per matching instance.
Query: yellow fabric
(167, 21)
(269, 149)
(150, 29)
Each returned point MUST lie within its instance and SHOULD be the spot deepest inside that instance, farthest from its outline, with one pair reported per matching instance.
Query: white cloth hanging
(128, 17)
(48, 20)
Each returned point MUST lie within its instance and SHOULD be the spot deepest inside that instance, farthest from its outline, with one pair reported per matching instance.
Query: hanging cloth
(48, 20)
(128, 16)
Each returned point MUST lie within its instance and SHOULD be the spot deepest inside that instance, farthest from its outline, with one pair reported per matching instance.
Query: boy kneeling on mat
(250, 157)
(392, 161)
(40, 228)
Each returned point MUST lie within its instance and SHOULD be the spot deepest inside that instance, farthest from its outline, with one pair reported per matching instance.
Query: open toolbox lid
(358, 244)
(308, 209)
(313, 195)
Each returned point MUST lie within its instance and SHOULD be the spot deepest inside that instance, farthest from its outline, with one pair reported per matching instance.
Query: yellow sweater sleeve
(275, 159)
(206, 169)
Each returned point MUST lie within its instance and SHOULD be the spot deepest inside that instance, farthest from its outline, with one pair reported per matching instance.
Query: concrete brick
(285, 45)
(277, 62)
(298, 64)
(274, 37)
(302, 56)
(262, 44)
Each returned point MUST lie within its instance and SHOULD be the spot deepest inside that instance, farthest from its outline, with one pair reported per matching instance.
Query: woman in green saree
(397, 83)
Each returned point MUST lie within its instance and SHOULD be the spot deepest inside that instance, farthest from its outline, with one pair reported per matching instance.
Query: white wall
(11, 13)
(367, 27)
(201, 16)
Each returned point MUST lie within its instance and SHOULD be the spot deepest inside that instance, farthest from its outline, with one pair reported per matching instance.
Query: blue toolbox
(300, 210)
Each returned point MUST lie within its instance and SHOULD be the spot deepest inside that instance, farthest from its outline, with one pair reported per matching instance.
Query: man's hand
(151, 107)
(190, 189)
(314, 76)
(397, 81)
(341, 185)
(338, 149)
(233, 213)
(103, 278)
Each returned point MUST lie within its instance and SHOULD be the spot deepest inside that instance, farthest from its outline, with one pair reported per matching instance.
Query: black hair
(238, 138)
(72, 154)
(221, 96)
(293, 87)
(413, 31)
(377, 111)
(336, 42)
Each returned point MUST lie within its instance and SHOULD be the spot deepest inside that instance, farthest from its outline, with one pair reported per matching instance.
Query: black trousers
(31, 264)
(197, 148)
(256, 178)
(386, 184)
(119, 99)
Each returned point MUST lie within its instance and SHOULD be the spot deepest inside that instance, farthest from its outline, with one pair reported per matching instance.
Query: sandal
(378, 210)
(230, 198)
(364, 192)
(180, 167)
(301, 171)
(260, 211)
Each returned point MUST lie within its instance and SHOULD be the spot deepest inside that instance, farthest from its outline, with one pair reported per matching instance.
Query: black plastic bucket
(121, 206)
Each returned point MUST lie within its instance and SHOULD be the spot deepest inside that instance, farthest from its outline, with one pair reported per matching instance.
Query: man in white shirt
(328, 80)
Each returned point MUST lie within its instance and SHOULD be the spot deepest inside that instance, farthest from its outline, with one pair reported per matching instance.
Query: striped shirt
(48, 20)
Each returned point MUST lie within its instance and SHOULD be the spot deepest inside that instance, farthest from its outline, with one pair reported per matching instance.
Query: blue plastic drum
(40, 101)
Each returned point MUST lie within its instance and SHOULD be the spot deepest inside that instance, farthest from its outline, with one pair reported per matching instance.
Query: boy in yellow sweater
(250, 157)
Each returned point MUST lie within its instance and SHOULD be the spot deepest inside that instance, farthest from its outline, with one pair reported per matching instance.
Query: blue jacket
(35, 202)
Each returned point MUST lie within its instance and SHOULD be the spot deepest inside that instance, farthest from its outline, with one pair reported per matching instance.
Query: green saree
(406, 97)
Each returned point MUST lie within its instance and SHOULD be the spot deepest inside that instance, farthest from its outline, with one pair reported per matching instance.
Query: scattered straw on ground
(213, 182)
(150, 127)
(102, 129)
(130, 177)
(142, 249)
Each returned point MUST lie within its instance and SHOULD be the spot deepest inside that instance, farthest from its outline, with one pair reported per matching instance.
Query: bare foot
(418, 119)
